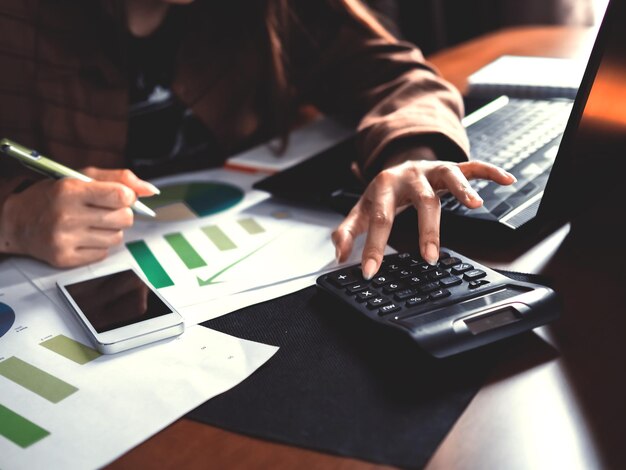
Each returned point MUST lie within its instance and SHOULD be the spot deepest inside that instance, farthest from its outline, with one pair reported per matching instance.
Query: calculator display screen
(492, 320)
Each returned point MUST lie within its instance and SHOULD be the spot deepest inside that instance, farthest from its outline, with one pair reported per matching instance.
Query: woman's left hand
(416, 182)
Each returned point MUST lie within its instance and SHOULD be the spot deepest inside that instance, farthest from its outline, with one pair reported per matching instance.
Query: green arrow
(211, 280)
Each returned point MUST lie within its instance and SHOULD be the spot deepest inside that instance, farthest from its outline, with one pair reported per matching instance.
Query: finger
(109, 219)
(107, 195)
(428, 218)
(124, 176)
(98, 238)
(89, 255)
(77, 257)
(352, 226)
(381, 213)
(477, 169)
(455, 181)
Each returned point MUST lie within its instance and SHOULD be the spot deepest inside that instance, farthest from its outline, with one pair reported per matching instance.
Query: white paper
(122, 399)
(303, 143)
(293, 244)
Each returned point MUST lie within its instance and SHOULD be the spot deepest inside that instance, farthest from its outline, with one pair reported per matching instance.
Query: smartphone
(120, 311)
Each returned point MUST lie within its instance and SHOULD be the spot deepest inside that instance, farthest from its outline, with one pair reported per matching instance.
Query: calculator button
(403, 273)
(342, 279)
(424, 267)
(461, 268)
(450, 261)
(405, 294)
(387, 309)
(365, 295)
(438, 274)
(477, 283)
(355, 288)
(450, 281)
(392, 267)
(391, 287)
(428, 287)
(418, 299)
(439, 294)
(380, 280)
(474, 274)
(416, 280)
(377, 302)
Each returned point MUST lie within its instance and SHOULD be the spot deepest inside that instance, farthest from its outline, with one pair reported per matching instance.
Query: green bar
(219, 238)
(36, 380)
(149, 264)
(19, 430)
(185, 251)
(70, 349)
(251, 226)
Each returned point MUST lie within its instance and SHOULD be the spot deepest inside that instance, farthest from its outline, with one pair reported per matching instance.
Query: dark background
(435, 24)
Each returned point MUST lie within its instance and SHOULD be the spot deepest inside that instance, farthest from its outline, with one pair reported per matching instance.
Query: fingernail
(472, 194)
(432, 254)
(337, 254)
(369, 269)
(153, 188)
(510, 175)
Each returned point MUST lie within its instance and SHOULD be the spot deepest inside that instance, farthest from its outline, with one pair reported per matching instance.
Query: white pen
(37, 162)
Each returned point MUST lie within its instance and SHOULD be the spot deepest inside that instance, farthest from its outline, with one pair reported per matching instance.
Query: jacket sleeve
(387, 87)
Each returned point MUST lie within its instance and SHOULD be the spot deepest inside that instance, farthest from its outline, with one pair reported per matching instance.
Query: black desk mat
(342, 385)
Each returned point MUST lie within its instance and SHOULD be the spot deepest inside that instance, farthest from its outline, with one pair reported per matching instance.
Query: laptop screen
(592, 154)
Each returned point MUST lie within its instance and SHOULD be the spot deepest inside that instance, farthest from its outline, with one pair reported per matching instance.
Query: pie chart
(7, 317)
(193, 200)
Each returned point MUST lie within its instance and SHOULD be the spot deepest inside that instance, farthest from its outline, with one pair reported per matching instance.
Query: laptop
(556, 148)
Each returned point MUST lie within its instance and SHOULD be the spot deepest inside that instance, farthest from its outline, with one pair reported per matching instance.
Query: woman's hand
(416, 182)
(69, 222)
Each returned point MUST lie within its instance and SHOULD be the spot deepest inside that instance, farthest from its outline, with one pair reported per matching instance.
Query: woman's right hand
(69, 222)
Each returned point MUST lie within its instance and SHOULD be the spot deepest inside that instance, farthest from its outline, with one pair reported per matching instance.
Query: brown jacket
(64, 86)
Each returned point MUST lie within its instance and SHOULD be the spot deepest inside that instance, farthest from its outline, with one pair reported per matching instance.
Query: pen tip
(141, 208)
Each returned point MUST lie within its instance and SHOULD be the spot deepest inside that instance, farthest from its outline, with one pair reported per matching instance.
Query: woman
(177, 84)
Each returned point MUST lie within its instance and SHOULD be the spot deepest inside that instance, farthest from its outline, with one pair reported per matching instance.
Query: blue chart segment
(7, 317)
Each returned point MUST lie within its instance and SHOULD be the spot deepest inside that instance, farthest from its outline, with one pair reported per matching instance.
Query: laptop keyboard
(521, 137)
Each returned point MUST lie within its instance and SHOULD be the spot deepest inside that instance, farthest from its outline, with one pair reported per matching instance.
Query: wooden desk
(561, 412)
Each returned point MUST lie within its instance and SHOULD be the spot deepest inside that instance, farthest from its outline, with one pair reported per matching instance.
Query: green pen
(41, 164)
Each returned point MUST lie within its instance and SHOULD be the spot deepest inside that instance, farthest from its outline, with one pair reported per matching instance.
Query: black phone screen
(116, 300)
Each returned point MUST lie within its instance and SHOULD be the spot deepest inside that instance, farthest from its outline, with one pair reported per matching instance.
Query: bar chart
(18, 429)
(36, 380)
(70, 349)
(32, 379)
(219, 246)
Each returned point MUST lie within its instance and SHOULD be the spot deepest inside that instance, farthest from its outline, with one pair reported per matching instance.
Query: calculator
(447, 308)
